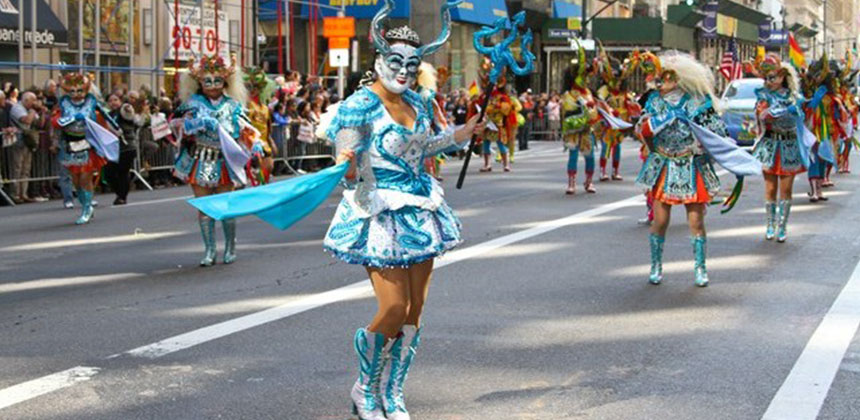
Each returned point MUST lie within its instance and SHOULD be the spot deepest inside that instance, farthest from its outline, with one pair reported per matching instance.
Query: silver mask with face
(398, 69)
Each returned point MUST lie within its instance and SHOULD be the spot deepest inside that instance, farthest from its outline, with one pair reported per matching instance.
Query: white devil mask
(398, 69)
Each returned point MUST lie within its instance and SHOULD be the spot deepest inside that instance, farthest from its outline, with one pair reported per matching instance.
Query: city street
(544, 312)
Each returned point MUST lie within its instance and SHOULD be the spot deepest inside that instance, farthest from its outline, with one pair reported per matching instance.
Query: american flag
(731, 67)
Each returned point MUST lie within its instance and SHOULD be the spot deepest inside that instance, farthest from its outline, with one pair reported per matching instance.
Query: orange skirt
(700, 197)
(94, 164)
(777, 168)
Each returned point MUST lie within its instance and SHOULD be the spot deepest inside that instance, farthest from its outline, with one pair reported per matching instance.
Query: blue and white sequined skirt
(391, 238)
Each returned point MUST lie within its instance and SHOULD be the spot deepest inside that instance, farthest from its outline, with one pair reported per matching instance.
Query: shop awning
(683, 15)
(328, 8)
(482, 12)
(49, 29)
(637, 30)
(741, 12)
(803, 31)
(566, 8)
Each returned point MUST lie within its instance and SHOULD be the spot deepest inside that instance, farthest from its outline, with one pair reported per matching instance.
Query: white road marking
(802, 394)
(37, 387)
(46, 384)
(158, 201)
(64, 243)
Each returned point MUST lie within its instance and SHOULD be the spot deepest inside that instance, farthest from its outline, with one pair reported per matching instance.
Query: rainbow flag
(795, 53)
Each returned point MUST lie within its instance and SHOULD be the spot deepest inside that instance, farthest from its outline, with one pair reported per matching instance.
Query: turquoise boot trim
(402, 353)
(372, 351)
(207, 231)
(770, 211)
(86, 199)
(784, 211)
(229, 226)
(699, 250)
(656, 242)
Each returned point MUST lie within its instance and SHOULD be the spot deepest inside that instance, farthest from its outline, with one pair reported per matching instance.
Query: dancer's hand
(472, 126)
(347, 156)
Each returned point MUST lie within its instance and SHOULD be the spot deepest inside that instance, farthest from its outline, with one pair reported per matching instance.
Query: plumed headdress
(189, 83)
(256, 80)
(75, 79)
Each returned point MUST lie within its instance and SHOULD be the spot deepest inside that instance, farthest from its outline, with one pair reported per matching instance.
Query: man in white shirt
(23, 115)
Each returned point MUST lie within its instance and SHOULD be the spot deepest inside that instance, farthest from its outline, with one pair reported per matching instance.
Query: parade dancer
(847, 78)
(87, 139)
(579, 113)
(216, 141)
(685, 134)
(260, 91)
(825, 116)
(781, 148)
(502, 111)
(615, 98)
(393, 219)
(427, 87)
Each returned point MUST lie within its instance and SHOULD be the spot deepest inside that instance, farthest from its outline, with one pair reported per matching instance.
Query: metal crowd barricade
(42, 169)
(292, 150)
(539, 128)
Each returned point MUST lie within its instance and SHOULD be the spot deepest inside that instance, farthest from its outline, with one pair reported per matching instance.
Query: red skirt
(93, 164)
(700, 197)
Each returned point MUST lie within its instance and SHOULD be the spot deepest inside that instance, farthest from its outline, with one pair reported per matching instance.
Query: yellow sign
(574, 23)
(339, 27)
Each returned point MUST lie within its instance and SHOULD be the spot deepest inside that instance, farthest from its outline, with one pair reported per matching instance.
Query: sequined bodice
(676, 138)
(69, 109)
(784, 120)
(227, 111)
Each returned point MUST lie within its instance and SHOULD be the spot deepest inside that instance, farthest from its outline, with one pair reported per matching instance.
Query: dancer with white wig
(685, 135)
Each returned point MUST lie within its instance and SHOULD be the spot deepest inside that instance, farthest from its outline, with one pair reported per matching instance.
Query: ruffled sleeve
(352, 126)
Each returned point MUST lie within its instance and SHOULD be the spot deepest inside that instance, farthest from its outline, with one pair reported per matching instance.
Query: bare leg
(662, 215)
(696, 219)
(391, 286)
(786, 185)
(419, 283)
(770, 183)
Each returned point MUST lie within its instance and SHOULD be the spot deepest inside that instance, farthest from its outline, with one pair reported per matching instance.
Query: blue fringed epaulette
(359, 109)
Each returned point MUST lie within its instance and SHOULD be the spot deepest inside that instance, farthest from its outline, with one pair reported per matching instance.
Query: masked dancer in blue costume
(784, 141)
(393, 218)
(217, 140)
(685, 135)
(88, 138)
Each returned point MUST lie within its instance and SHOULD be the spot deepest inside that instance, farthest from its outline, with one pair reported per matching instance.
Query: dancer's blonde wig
(693, 76)
(791, 79)
(427, 77)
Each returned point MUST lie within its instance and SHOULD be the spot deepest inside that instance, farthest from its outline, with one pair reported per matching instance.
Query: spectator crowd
(30, 172)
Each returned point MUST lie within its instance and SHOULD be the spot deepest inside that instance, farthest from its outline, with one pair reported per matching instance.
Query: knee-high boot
(87, 211)
(372, 351)
(656, 242)
(207, 231)
(770, 211)
(782, 230)
(571, 183)
(229, 226)
(699, 251)
(393, 378)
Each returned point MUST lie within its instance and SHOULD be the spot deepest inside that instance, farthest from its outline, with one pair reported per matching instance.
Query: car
(738, 107)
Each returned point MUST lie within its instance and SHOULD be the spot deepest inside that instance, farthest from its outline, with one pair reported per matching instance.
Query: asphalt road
(544, 313)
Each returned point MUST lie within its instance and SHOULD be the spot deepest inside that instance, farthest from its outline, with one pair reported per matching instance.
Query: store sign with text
(187, 33)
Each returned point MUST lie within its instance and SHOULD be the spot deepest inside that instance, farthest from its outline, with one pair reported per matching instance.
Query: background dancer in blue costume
(217, 141)
(781, 147)
(393, 218)
(685, 136)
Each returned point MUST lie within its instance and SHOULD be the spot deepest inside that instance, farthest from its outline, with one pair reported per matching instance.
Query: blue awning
(482, 12)
(268, 9)
(566, 8)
